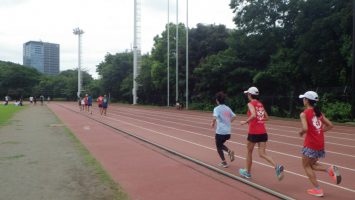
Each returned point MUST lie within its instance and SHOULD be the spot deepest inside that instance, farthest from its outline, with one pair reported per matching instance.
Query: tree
(16, 80)
(115, 72)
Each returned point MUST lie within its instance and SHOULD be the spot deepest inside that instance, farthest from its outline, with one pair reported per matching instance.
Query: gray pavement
(39, 159)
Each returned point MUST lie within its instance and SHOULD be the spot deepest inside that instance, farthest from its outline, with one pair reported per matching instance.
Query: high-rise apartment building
(43, 56)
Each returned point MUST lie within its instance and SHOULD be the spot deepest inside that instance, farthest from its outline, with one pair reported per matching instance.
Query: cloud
(9, 3)
(108, 25)
(157, 5)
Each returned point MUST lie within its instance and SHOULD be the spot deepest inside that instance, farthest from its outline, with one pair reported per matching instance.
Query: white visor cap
(252, 91)
(310, 95)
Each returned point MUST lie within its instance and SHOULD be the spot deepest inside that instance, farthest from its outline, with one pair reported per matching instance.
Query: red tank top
(315, 134)
(99, 100)
(257, 125)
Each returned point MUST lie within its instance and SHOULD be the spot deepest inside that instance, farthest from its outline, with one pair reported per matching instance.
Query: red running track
(189, 133)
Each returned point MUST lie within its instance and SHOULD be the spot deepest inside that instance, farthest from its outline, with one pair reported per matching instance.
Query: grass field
(6, 112)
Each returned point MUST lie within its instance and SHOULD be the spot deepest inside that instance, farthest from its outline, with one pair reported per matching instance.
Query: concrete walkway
(39, 159)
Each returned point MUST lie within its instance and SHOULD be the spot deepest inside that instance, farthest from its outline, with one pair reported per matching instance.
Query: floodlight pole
(353, 68)
(79, 32)
(134, 91)
(187, 54)
(168, 56)
(136, 48)
(177, 52)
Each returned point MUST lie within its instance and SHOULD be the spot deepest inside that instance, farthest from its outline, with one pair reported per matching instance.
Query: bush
(201, 106)
(337, 111)
(238, 104)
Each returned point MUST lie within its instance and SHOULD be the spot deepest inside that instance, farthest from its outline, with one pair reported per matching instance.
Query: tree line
(283, 47)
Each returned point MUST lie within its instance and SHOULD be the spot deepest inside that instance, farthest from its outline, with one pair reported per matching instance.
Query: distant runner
(99, 103)
(104, 105)
(90, 104)
(82, 103)
(79, 103)
(41, 98)
(86, 102)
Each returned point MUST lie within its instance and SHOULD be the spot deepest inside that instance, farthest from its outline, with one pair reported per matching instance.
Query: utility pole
(177, 52)
(187, 54)
(353, 68)
(168, 57)
(136, 48)
(79, 32)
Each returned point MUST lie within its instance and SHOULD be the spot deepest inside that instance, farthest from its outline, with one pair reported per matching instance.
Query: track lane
(122, 112)
(298, 173)
(293, 134)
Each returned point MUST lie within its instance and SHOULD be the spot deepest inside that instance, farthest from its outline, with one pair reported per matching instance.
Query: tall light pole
(177, 52)
(353, 68)
(79, 32)
(187, 54)
(168, 56)
(136, 48)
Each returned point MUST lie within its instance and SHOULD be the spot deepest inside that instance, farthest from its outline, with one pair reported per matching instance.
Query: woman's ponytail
(315, 107)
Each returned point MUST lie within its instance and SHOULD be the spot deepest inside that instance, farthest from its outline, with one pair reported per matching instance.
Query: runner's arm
(252, 116)
(213, 123)
(327, 124)
(233, 118)
(266, 116)
(304, 124)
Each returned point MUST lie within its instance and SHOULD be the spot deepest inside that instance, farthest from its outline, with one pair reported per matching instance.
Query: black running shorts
(255, 138)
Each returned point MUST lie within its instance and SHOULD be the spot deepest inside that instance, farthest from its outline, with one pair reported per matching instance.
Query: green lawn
(6, 112)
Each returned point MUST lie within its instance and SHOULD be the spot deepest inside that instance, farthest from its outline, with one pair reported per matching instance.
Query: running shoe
(279, 172)
(316, 192)
(333, 171)
(223, 164)
(244, 173)
(231, 155)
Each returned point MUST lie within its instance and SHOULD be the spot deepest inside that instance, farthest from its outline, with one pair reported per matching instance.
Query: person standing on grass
(6, 100)
(257, 116)
(314, 124)
(223, 116)
(41, 98)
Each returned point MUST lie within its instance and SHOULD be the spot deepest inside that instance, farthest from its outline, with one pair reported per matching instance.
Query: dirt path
(40, 159)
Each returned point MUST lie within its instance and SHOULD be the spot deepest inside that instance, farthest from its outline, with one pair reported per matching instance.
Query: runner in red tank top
(314, 124)
(315, 134)
(257, 125)
(86, 102)
(99, 103)
(257, 116)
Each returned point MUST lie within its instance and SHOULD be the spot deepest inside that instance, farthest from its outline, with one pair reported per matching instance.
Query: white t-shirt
(223, 115)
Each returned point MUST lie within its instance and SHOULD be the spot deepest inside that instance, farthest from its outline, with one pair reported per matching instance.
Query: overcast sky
(108, 25)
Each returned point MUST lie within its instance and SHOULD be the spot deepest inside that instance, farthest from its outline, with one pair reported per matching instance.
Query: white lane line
(285, 143)
(194, 116)
(269, 128)
(196, 144)
(299, 146)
